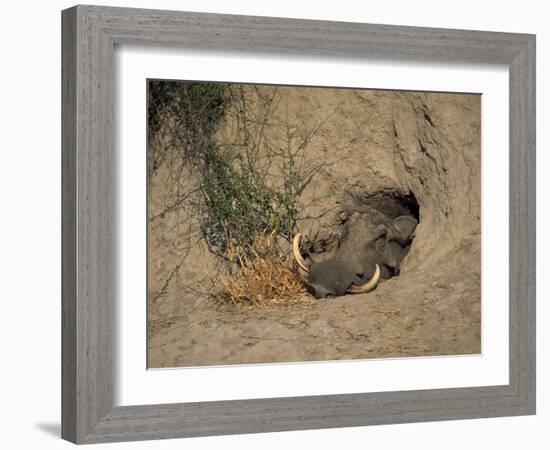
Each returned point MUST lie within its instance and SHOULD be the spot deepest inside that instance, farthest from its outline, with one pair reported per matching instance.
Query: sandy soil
(427, 143)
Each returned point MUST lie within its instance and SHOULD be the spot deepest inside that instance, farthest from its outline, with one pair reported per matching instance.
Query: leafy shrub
(249, 185)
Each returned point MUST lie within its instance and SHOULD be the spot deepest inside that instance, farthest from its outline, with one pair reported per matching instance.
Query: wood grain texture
(68, 225)
(523, 224)
(89, 36)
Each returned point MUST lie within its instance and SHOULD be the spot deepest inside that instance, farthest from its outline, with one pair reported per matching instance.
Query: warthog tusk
(368, 286)
(296, 252)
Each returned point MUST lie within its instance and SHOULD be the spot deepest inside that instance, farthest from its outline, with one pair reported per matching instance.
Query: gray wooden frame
(89, 36)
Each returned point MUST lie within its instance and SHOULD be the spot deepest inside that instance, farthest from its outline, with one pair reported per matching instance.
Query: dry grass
(264, 280)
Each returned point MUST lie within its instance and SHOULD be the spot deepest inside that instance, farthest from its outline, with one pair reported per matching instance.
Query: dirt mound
(421, 144)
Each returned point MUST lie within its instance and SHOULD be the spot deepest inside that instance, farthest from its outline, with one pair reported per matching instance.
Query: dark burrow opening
(373, 234)
(399, 211)
(409, 201)
(392, 202)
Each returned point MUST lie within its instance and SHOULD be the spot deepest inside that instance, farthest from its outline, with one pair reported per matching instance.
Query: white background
(135, 386)
(30, 225)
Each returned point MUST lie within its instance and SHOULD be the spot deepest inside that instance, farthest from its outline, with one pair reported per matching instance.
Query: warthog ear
(404, 227)
(381, 231)
(380, 235)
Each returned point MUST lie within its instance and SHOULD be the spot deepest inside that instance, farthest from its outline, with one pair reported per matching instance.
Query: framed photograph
(277, 224)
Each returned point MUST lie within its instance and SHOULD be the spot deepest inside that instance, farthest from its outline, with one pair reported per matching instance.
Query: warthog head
(372, 246)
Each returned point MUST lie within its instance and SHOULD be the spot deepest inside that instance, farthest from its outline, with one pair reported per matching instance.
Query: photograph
(291, 224)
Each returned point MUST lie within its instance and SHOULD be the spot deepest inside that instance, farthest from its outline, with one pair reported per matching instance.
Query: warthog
(374, 242)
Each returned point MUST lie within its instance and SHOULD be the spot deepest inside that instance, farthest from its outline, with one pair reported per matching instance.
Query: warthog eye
(360, 274)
